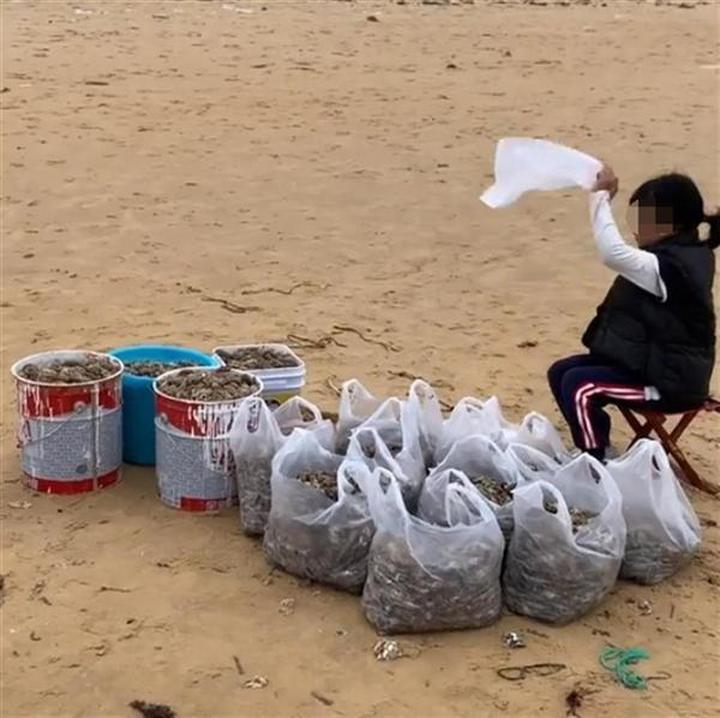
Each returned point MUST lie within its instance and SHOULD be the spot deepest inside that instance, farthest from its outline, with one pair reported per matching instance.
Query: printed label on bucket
(193, 473)
(75, 448)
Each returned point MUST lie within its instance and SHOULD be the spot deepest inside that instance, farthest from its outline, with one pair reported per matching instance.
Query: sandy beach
(318, 173)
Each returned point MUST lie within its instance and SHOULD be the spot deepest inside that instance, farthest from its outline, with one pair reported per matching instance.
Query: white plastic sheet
(523, 164)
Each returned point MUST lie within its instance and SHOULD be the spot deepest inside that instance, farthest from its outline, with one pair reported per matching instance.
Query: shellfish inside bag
(255, 438)
(367, 446)
(426, 408)
(396, 422)
(356, 405)
(663, 531)
(475, 457)
(308, 533)
(532, 463)
(299, 413)
(429, 577)
(553, 573)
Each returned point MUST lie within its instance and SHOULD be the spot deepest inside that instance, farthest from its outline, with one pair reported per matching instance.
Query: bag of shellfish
(470, 417)
(299, 413)
(396, 423)
(532, 463)
(487, 469)
(319, 525)
(426, 576)
(663, 529)
(426, 409)
(537, 432)
(367, 446)
(356, 405)
(567, 543)
(255, 438)
(257, 434)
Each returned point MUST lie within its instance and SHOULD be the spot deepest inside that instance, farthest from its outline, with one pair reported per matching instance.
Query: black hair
(679, 196)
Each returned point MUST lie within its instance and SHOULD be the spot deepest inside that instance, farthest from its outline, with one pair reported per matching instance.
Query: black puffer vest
(669, 345)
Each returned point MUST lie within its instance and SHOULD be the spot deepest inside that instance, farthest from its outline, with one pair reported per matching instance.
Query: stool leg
(641, 430)
(683, 424)
(646, 429)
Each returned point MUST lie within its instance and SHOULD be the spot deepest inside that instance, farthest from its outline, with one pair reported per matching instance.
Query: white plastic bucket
(279, 385)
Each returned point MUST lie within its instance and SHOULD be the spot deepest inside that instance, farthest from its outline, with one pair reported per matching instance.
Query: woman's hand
(606, 180)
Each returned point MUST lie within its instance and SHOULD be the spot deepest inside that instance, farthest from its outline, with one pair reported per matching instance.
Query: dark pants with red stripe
(583, 385)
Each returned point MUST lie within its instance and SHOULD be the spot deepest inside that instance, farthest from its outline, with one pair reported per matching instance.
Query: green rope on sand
(619, 660)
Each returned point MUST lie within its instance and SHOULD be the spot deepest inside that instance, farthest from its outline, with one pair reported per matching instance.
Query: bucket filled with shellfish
(70, 420)
(281, 371)
(194, 411)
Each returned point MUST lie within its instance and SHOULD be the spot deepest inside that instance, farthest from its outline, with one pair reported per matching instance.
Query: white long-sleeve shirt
(636, 265)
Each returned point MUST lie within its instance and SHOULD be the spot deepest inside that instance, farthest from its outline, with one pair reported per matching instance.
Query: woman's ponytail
(713, 220)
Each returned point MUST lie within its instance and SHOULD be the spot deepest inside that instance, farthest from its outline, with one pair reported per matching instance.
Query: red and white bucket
(193, 461)
(70, 435)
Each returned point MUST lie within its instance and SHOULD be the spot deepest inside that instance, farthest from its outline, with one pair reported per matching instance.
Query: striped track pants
(582, 387)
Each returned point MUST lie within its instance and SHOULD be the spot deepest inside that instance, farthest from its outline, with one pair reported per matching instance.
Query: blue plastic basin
(139, 400)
